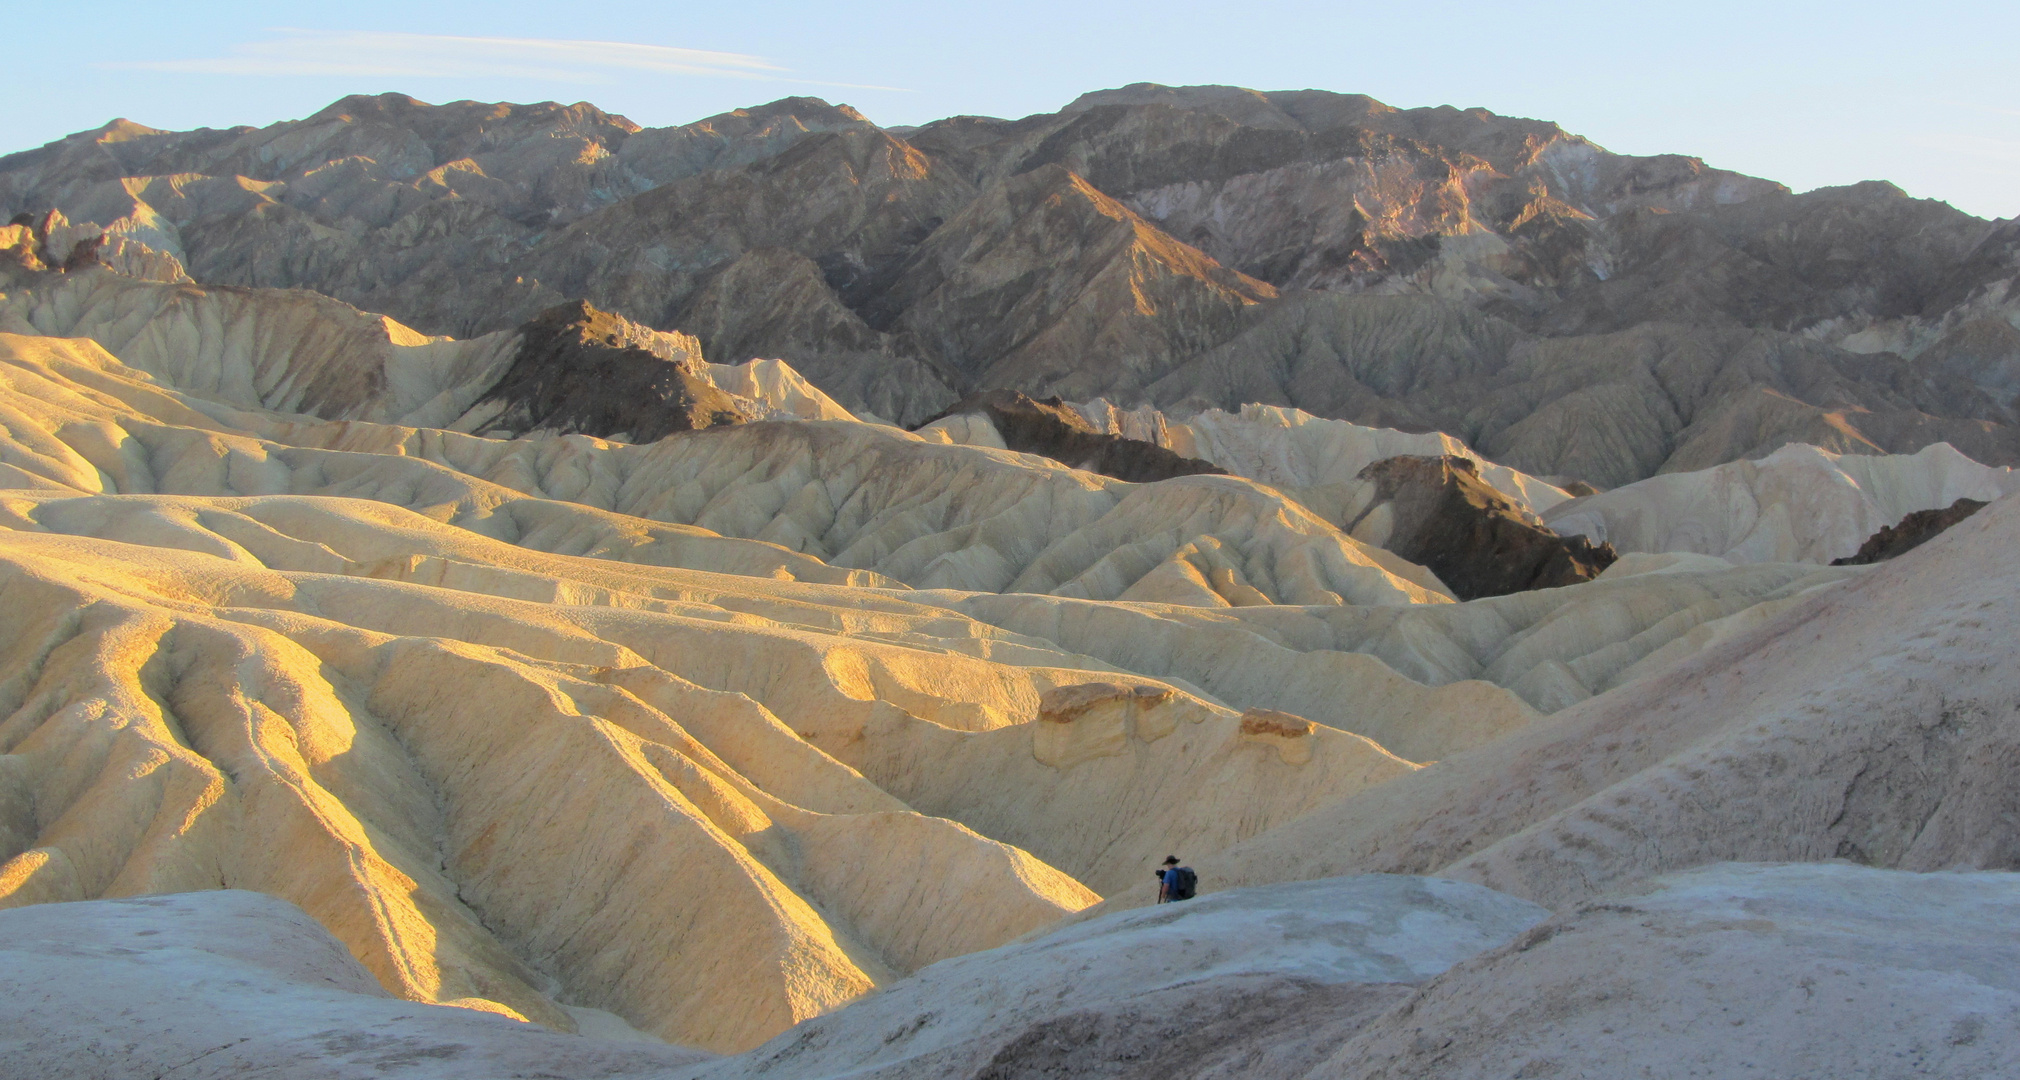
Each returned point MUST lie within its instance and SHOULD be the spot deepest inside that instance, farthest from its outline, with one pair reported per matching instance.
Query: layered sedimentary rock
(387, 716)
(851, 495)
(322, 731)
(573, 369)
(291, 351)
(1469, 517)
(1429, 680)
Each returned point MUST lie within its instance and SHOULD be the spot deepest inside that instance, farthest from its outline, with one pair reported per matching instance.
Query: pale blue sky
(1926, 95)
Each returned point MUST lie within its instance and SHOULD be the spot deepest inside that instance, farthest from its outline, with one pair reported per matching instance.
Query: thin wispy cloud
(383, 54)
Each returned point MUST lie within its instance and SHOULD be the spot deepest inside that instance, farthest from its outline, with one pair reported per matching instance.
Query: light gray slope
(1280, 972)
(1730, 971)
(1796, 504)
(229, 984)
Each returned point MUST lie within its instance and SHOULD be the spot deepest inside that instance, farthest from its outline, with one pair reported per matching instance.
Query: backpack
(1187, 882)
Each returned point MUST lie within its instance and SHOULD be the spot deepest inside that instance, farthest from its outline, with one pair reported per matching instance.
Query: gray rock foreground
(1730, 970)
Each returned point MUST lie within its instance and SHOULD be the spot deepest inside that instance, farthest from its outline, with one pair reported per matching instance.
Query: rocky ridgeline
(1917, 528)
(1053, 429)
(578, 369)
(1495, 278)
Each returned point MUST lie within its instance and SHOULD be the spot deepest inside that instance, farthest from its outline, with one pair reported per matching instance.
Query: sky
(1925, 95)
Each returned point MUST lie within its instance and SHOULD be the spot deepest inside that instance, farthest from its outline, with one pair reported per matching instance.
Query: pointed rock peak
(116, 130)
(810, 113)
(580, 322)
(586, 112)
(1236, 103)
(1864, 189)
(803, 107)
(120, 129)
(370, 106)
(581, 369)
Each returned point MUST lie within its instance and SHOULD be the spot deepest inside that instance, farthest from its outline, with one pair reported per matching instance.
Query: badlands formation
(756, 599)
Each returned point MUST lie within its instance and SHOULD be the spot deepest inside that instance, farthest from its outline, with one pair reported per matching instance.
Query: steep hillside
(1872, 722)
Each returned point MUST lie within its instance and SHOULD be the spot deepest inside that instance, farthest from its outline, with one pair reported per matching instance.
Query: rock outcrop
(1054, 429)
(1909, 533)
(578, 369)
(1438, 512)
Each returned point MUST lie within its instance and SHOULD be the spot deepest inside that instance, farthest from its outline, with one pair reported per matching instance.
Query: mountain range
(1565, 310)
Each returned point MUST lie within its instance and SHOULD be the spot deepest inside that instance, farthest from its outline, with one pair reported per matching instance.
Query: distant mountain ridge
(1563, 309)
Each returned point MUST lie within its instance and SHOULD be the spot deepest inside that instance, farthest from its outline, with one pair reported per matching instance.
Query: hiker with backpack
(1175, 882)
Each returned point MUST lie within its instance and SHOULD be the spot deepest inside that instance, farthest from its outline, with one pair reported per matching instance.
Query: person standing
(1175, 882)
